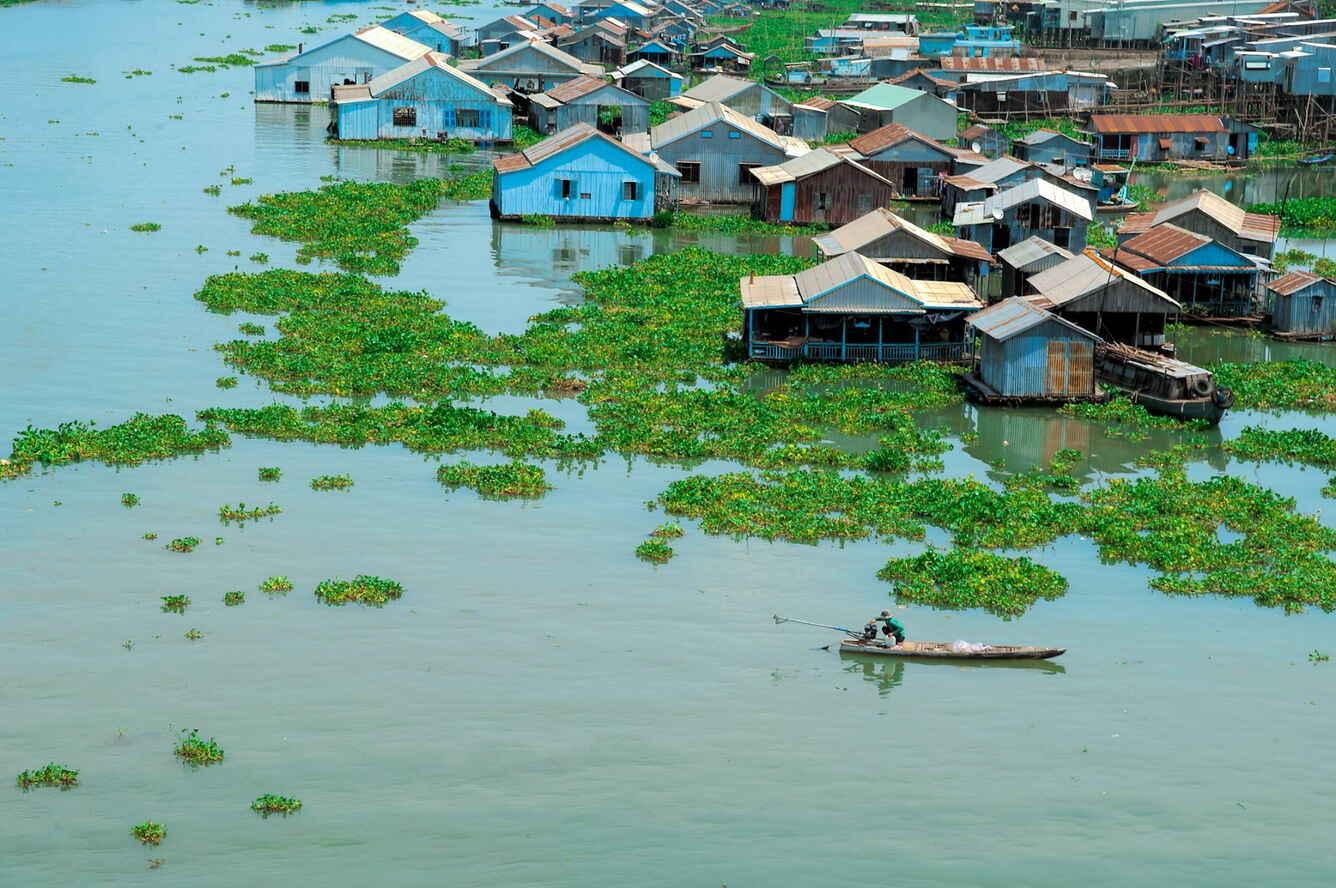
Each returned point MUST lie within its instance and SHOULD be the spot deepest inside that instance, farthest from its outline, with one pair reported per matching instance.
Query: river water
(541, 709)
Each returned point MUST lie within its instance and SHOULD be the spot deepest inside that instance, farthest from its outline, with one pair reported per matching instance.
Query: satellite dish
(975, 147)
(1081, 174)
(997, 215)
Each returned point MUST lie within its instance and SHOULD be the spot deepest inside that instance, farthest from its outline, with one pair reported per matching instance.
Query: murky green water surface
(541, 708)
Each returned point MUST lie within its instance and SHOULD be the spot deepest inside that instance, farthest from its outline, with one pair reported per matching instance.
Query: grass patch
(331, 482)
(969, 578)
(269, 803)
(146, 226)
(175, 604)
(195, 750)
(149, 832)
(368, 590)
(279, 585)
(59, 776)
(512, 480)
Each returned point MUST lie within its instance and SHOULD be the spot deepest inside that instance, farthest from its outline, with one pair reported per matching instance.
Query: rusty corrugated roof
(991, 63)
(889, 135)
(1289, 284)
(573, 89)
(1156, 123)
(1014, 316)
(1164, 243)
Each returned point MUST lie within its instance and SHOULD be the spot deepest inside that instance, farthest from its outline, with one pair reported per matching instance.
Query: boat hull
(941, 650)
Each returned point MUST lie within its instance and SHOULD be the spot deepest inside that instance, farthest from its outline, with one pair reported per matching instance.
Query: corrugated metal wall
(863, 294)
(1020, 367)
(347, 59)
(719, 157)
(635, 110)
(1309, 311)
(437, 99)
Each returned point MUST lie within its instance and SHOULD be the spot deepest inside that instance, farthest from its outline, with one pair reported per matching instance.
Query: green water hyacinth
(175, 604)
(512, 480)
(331, 482)
(184, 544)
(368, 590)
(195, 750)
(149, 832)
(1307, 446)
(146, 226)
(969, 578)
(55, 775)
(235, 598)
(139, 439)
(241, 514)
(269, 473)
(1280, 385)
(269, 803)
(655, 551)
(129, 500)
(279, 585)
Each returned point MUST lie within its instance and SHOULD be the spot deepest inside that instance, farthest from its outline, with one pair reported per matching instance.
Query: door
(786, 198)
(1070, 369)
(909, 181)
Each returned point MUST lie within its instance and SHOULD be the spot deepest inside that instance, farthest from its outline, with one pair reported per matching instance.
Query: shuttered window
(468, 118)
(690, 170)
(405, 116)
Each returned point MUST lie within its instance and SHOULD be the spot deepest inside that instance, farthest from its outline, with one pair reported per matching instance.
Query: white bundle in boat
(965, 647)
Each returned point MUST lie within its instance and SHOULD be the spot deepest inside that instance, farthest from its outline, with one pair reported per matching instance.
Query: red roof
(1165, 243)
(1293, 282)
(891, 134)
(1156, 123)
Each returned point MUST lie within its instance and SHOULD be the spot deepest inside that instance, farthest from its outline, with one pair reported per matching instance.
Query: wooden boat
(943, 650)
(1163, 385)
(1316, 159)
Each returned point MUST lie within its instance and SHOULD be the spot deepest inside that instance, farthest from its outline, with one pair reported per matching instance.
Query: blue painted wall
(345, 58)
(595, 168)
(416, 29)
(438, 98)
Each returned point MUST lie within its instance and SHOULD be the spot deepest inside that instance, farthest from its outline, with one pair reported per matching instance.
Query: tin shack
(1116, 305)
(1022, 261)
(1027, 354)
(820, 187)
(310, 75)
(899, 244)
(1303, 306)
(1210, 214)
(1205, 276)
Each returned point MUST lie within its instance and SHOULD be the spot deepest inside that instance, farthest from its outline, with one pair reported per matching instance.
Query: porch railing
(834, 351)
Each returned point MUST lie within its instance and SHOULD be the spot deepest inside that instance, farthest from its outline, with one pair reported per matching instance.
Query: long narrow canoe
(942, 650)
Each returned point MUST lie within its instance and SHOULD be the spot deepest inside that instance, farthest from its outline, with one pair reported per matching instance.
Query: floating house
(1152, 138)
(715, 148)
(853, 309)
(553, 12)
(1037, 207)
(595, 45)
(927, 81)
(504, 33)
(1204, 276)
(589, 100)
(1022, 261)
(1045, 146)
(529, 67)
(628, 12)
(429, 29)
(1048, 93)
(1205, 212)
(1303, 306)
(659, 51)
(426, 99)
(1028, 354)
(879, 22)
(960, 68)
(990, 142)
(309, 75)
(820, 187)
(817, 118)
(1008, 172)
(1114, 304)
(581, 174)
(899, 244)
(912, 161)
(749, 97)
(723, 55)
(887, 103)
(648, 80)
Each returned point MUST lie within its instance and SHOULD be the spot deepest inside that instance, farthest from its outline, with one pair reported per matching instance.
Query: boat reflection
(888, 673)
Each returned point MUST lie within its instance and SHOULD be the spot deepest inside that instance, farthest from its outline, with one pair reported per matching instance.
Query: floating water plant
(269, 473)
(146, 226)
(129, 500)
(655, 551)
(275, 804)
(1307, 446)
(194, 634)
(515, 479)
(55, 775)
(670, 530)
(234, 60)
(75, 78)
(331, 482)
(193, 749)
(260, 258)
(242, 180)
(137, 440)
(149, 833)
(279, 585)
(240, 512)
(150, 535)
(1318, 657)
(184, 544)
(1280, 385)
(234, 598)
(226, 382)
(1125, 418)
(175, 604)
(970, 578)
(373, 591)
(249, 329)
(213, 190)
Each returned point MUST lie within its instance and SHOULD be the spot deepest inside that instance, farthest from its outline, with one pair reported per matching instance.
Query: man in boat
(891, 627)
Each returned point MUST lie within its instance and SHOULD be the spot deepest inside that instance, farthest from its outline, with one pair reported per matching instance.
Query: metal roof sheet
(1014, 316)
(890, 135)
(992, 63)
(1084, 274)
(389, 41)
(566, 139)
(855, 236)
(1252, 226)
(641, 65)
(1156, 123)
(1029, 251)
(719, 88)
(1164, 243)
(565, 59)
(437, 60)
(1293, 282)
(983, 211)
(798, 290)
(886, 96)
(1044, 136)
(712, 112)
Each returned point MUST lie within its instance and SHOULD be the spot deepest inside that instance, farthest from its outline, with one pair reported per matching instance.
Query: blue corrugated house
(1029, 354)
(1205, 276)
(529, 67)
(581, 174)
(429, 29)
(309, 75)
(1303, 306)
(426, 99)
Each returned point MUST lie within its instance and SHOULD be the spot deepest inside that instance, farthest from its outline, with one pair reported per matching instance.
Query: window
(744, 173)
(468, 118)
(1062, 237)
(690, 170)
(301, 86)
(734, 134)
(405, 116)
(1071, 16)
(565, 188)
(821, 200)
(1324, 75)
(630, 190)
(1034, 213)
(707, 134)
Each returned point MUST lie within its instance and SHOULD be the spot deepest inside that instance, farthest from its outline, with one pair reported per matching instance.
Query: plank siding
(598, 172)
(437, 100)
(345, 60)
(848, 194)
(720, 156)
